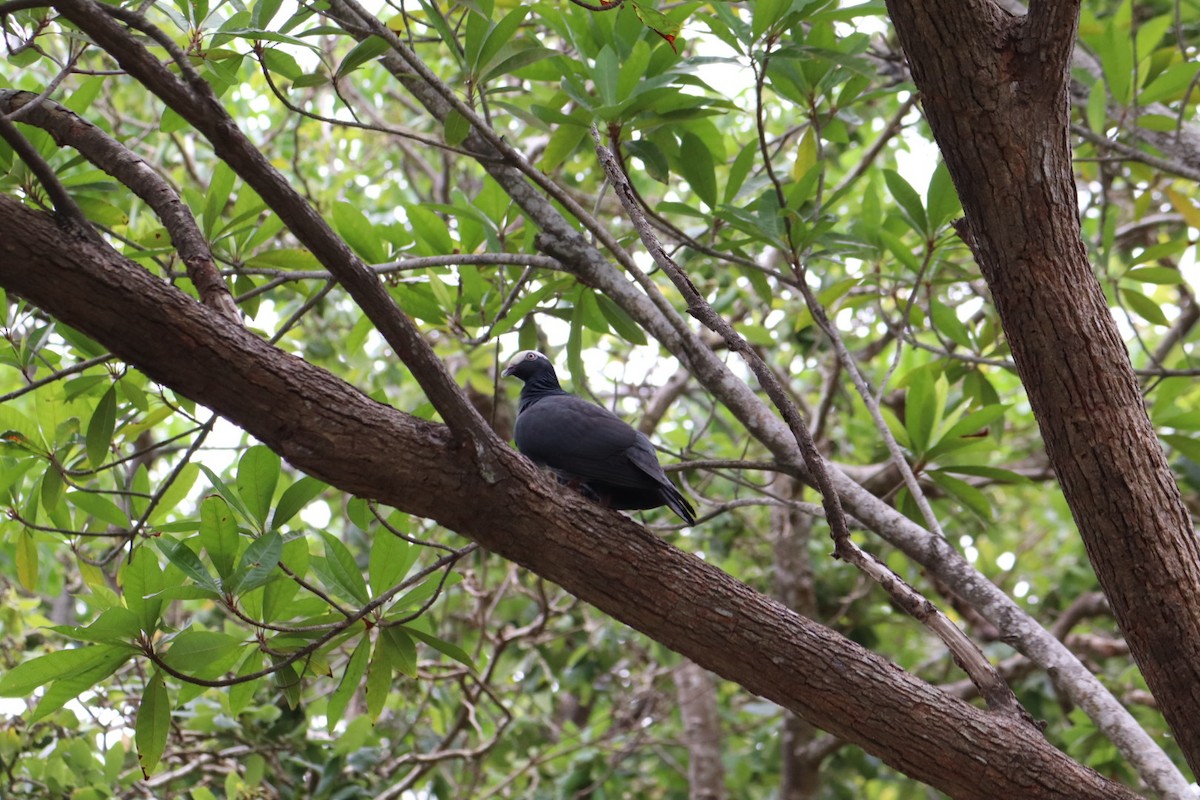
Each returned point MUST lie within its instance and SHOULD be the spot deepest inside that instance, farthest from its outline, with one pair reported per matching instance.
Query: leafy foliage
(183, 612)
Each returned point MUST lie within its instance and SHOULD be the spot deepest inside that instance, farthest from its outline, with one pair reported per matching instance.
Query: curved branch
(108, 154)
(332, 431)
(563, 240)
(194, 101)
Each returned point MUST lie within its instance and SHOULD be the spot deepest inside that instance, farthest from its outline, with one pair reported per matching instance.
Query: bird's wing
(643, 457)
(580, 439)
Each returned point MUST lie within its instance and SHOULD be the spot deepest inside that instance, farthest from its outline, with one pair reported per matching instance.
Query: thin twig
(316, 644)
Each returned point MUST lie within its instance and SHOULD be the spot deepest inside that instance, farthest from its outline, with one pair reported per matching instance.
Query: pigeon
(588, 446)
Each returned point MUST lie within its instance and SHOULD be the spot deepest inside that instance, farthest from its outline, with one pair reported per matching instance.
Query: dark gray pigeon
(586, 445)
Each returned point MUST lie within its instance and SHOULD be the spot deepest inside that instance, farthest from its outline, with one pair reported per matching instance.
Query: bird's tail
(679, 504)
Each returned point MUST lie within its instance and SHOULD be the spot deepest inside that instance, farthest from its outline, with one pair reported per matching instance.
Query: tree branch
(563, 240)
(335, 433)
(123, 164)
(195, 102)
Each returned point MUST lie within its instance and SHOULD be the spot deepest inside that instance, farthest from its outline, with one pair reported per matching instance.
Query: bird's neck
(536, 388)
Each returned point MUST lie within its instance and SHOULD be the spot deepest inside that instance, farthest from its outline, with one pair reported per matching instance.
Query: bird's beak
(508, 370)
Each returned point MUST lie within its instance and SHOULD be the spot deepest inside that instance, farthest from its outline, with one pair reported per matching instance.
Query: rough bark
(334, 432)
(192, 98)
(588, 264)
(994, 88)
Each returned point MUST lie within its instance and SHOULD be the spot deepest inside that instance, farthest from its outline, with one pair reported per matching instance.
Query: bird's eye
(530, 356)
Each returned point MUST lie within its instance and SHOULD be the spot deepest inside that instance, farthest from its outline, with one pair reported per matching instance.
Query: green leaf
(218, 533)
(115, 625)
(379, 676)
(564, 141)
(21, 680)
(942, 198)
(288, 682)
(281, 63)
(310, 79)
(356, 667)
(633, 72)
(390, 560)
(1096, 110)
(1161, 276)
(290, 258)
(175, 494)
(920, 409)
(621, 322)
(946, 320)
(738, 172)
(153, 723)
(27, 561)
(588, 309)
(259, 562)
(403, 651)
(1116, 58)
(203, 654)
(1144, 307)
(977, 421)
(455, 128)
(278, 595)
(257, 476)
(1150, 34)
(975, 500)
(908, 199)
(220, 189)
(575, 347)
(514, 60)
(295, 498)
(339, 565)
(101, 427)
(359, 233)
(84, 92)
(446, 648)
(51, 487)
(420, 594)
(141, 579)
(264, 12)
(182, 556)
(1170, 85)
(228, 495)
(500, 35)
(368, 49)
(697, 167)
(807, 154)
(605, 75)
(103, 660)
(994, 473)
(658, 22)
(1189, 446)
(240, 694)
(430, 231)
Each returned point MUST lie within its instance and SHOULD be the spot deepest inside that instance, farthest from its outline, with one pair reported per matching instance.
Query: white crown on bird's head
(523, 356)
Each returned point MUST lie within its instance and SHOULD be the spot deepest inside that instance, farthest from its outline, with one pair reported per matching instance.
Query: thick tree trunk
(994, 88)
(334, 432)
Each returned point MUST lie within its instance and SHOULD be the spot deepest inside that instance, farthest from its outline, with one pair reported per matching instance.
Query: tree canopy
(901, 292)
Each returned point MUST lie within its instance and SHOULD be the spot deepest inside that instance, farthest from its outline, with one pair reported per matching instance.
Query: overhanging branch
(334, 432)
